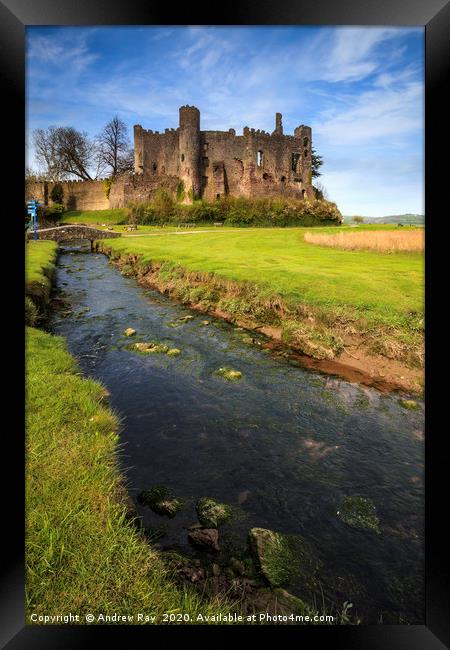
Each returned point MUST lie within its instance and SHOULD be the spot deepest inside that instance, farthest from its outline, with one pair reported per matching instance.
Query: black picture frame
(15, 15)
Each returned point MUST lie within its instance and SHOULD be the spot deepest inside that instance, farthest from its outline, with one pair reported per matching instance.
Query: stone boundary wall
(78, 195)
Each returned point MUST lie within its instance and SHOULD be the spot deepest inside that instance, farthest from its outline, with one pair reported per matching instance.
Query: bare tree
(46, 148)
(64, 152)
(114, 150)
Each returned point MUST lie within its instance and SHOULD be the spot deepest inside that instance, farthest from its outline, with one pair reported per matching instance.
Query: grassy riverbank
(327, 302)
(40, 258)
(83, 555)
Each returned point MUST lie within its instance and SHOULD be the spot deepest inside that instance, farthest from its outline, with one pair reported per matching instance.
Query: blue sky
(361, 89)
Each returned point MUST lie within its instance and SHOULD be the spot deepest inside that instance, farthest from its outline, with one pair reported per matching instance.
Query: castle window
(303, 194)
(305, 142)
(282, 179)
(294, 161)
(217, 196)
(259, 158)
(205, 162)
(305, 153)
(182, 157)
(205, 146)
(155, 167)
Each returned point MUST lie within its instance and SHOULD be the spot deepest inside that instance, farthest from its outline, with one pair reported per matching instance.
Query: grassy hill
(406, 219)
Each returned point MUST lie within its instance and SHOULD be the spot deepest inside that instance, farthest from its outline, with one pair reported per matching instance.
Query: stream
(284, 445)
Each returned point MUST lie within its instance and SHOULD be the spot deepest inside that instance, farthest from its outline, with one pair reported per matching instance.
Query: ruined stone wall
(138, 188)
(255, 164)
(156, 154)
(78, 195)
(213, 163)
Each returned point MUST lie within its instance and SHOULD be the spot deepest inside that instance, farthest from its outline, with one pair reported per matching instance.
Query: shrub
(31, 312)
(107, 184)
(54, 214)
(236, 211)
(57, 193)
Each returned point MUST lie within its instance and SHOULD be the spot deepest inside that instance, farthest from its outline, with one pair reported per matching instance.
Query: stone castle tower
(211, 164)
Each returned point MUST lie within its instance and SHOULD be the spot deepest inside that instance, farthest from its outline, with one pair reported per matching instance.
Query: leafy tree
(316, 163)
(358, 219)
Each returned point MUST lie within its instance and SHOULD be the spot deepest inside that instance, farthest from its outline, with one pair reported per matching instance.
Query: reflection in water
(283, 445)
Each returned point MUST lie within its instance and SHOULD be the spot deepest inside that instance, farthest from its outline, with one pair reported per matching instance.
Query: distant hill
(412, 219)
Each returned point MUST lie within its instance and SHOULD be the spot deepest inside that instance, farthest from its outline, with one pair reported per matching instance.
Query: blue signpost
(32, 207)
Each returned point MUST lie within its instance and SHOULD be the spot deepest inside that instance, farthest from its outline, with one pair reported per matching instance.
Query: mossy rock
(185, 319)
(212, 514)
(359, 512)
(409, 404)
(173, 352)
(159, 500)
(204, 322)
(150, 348)
(280, 558)
(229, 374)
(247, 340)
(129, 332)
(168, 507)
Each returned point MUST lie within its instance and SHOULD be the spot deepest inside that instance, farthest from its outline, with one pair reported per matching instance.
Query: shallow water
(283, 445)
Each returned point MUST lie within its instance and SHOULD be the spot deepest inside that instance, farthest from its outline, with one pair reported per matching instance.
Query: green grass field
(328, 296)
(389, 287)
(109, 217)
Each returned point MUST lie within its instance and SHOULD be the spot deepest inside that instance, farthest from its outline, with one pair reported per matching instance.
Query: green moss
(212, 514)
(149, 348)
(229, 374)
(129, 332)
(160, 501)
(409, 404)
(283, 557)
(359, 512)
(173, 352)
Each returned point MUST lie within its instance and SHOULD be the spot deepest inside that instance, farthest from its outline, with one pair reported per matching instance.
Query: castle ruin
(212, 164)
(194, 164)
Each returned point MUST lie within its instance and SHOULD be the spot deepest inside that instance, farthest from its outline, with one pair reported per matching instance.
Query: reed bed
(383, 241)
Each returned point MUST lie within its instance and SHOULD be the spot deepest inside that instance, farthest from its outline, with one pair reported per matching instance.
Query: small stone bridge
(73, 232)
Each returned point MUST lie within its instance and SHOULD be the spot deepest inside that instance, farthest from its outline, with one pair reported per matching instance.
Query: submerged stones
(205, 538)
(281, 557)
(359, 512)
(180, 321)
(409, 404)
(212, 514)
(160, 501)
(155, 348)
(229, 374)
(129, 332)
